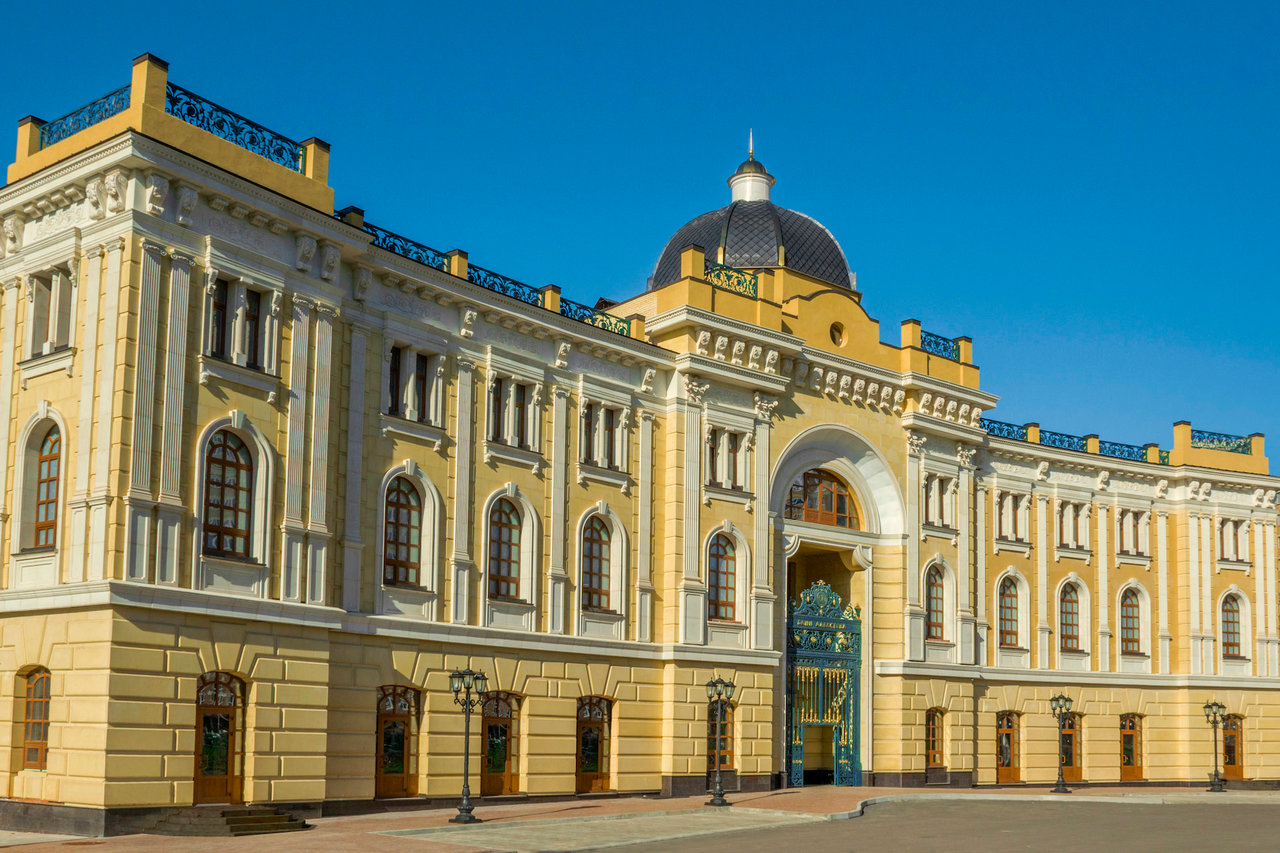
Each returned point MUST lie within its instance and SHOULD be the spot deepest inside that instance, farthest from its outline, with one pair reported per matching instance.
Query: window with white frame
(726, 458)
(1013, 516)
(240, 324)
(513, 407)
(940, 501)
(1233, 540)
(1073, 525)
(602, 435)
(415, 385)
(49, 310)
(1135, 533)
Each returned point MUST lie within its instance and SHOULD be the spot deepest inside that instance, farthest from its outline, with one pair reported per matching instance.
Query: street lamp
(1213, 714)
(463, 682)
(1061, 705)
(719, 691)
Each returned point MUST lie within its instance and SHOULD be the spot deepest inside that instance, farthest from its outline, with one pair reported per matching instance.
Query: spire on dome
(752, 180)
(751, 144)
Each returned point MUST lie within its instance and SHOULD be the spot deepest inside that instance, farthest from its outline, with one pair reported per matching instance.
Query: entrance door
(1130, 748)
(500, 772)
(1232, 748)
(1007, 748)
(218, 700)
(593, 745)
(1069, 753)
(397, 707)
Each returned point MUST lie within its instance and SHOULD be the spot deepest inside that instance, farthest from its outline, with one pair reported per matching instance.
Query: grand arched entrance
(824, 663)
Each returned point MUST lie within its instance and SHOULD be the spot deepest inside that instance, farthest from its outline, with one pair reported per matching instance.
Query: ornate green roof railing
(1132, 452)
(1164, 457)
(1000, 429)
(234, 128)
(1063, 441)
(87, 116)
(732, 279)
(1221, 441)
(938, 345)
(406, 248)
(595, 317)
(490, 280)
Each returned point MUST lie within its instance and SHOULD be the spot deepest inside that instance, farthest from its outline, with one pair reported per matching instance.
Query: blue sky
(1089, 190)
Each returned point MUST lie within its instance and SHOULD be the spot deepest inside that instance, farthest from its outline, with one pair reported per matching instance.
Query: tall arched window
(1130, 623)
(228, 496)
(1069, 618)
(822, 498)
(1009, 613)
(402, 550)
(934, 601)
(48, 465)
(722, 577)
(1231, 626)
(504, 550)
(595, 565)
(933, 738)
(35, 721)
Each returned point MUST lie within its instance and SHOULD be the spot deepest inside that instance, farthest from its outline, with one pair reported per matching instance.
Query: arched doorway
(1233, 747)
(1070, 748)
(595, 713)
(500, 771)
(1007, 770)
(397, 712)
(219, 753)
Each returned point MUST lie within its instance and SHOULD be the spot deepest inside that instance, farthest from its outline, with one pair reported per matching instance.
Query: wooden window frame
(1131, 726)
(713, 459)
(1069, 618)
(1231, 626)
(805, 501)
(1130, 622)
(253, 328)
(491, 712)
(399, 533)
(35, 720)
(496, 431)
(933, 738)
(48, 473)
(935, 604)
(1009, 614)
(1233, 728)
(596, 542)
(219, 320)
(722, 578)
(504, 550)
(213, 492)
(588, 434)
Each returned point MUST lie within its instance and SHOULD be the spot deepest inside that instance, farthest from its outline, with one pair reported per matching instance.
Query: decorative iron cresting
(406, 248)
(234, 128)
(824, 663)
(84, 117)
(732, 279)
(506, 286)
(938, 345)
(1001, 429)
(1063, 441)
(1164, 457)
(1132, 452)
(1221, 441)
(592, 316)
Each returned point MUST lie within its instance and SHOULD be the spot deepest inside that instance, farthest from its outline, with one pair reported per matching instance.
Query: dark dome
(751, 233)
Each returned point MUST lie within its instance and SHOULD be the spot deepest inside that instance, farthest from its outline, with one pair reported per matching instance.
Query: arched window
(1130, 623)
(933, 738)
(722, 578)
(1069, 619)
(934, 601)
(1009, 613)
(48, 464)
(595, 565)
(402, 553)
(35, 728)
(228, 496)
(822, 498)
(719, 738)
(504, 550)
(500, 770)
(1231, 626)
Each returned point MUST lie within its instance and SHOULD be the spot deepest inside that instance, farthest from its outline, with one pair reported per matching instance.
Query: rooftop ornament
(406, 248)
(84, 117)
(938, 345)
(234, 128)
(1221, 441)
(491, 280)
(1132, 452)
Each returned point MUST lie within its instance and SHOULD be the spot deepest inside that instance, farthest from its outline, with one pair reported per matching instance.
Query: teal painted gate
(824, 662)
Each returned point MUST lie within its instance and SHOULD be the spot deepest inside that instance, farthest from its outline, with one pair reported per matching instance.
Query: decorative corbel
(157, 193)
(330, 255)
(187, 198)
(305, 246)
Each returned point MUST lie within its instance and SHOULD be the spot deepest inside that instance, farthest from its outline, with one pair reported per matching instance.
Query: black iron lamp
(464, 683)
(1061, 705)
(719, 691)
(1214, 712)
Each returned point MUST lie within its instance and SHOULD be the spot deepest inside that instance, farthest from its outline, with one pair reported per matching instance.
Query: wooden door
(500, 768)
(1007, 748)
(393, 755)
(1130, 748)
(593, 745)
(218, 700)
(1232, 748)
(1069, 748)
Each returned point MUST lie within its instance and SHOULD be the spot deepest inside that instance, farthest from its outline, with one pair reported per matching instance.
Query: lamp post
(719, 691)
(463, 682)
(1213, 714)
(1061, 705)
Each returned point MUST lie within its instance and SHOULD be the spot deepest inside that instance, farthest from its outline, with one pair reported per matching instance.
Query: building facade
(273, 472)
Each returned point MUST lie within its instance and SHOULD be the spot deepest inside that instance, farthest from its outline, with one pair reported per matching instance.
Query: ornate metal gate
(824, 659)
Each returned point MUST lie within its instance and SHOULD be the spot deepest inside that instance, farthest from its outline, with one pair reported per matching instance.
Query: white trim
(1021, 655)
(522, 614)
(1242, 665)
(1085, 646)
(742, 572)
(950, 628)
(425, 597)
(1140, 662)
(24, 495)
(612, 624)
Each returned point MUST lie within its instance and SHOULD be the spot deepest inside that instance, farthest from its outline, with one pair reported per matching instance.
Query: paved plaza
(809, 820)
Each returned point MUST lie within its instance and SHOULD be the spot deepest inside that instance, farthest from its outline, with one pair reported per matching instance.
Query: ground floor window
(1069, 747)
(397, 714)
(933, 738)
(219, 715)
(500, 724)
(1233, 747)
(595, 717)
(1130, 748)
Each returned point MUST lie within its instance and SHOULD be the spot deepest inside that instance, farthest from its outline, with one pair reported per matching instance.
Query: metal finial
(751, 144)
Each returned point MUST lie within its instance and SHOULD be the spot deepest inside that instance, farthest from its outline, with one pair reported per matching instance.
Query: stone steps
(224, 821)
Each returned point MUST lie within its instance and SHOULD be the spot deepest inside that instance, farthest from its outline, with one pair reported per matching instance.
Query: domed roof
(753, 232)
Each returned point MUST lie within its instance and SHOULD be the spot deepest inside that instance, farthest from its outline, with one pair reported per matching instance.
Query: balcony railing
(406, 248)
(938, 345)
(85, 117)
(1063, 441)
(595, 317)
(506, 286)
(1000, 429)
(1132, 452)
(732, 279)
(234, 128)
(1221, 441)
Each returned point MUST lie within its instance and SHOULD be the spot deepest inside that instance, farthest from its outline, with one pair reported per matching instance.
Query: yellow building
(273, 472)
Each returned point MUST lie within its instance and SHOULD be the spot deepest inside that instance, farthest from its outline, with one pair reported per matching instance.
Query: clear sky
(1088, 190)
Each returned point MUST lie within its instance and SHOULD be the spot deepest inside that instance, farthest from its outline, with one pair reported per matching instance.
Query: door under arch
(219, 700)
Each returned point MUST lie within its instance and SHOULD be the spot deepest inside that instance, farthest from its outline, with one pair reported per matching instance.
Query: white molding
(619, 575)
(520, 456)
(1058, 677)
(352, 548)
(234, 374)
(431, 535)
(43, 365)
(417, 430)
(24, 493)
(619, 480)
(495, 611)
(264, 481)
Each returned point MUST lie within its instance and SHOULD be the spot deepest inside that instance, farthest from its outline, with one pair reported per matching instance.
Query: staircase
(226, 821)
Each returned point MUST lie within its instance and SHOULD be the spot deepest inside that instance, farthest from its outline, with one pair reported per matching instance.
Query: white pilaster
(294, 554)
(317, 514)
(173, 508)
(76, 567)
(1104, 587)
(1208, 612)
(352, 545)
(140, 507)
(644, 532)
(967, 646)
(557, 586)
(1193, 570)
(11, 295)
(762, 597)
(913, 615)
(106, 386)
(1260, 609)
(693, 589)
(1162, 561)
(1042, 581)
(980, 640)
(460, 560)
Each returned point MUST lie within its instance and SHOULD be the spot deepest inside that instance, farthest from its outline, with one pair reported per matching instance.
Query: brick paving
(564, 819)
